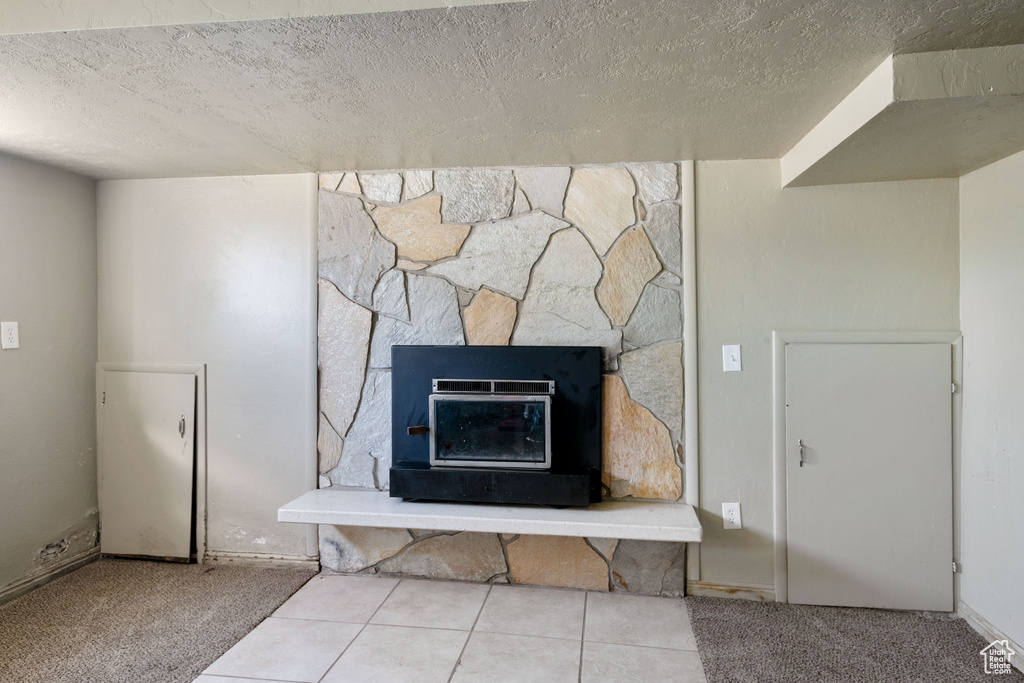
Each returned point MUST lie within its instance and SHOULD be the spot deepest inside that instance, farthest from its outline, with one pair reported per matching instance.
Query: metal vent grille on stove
(521, 387)
(494, 386)
(463, 386)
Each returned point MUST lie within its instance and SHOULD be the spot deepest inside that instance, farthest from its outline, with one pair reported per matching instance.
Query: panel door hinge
(953, 387)
(956, 567)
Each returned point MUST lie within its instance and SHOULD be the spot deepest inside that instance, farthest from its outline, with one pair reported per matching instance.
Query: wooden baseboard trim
(36, 579)
(742, 591)
(990, 633)
(265, 560)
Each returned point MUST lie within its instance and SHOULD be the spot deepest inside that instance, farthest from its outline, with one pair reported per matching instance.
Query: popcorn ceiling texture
(526, 83)
(483, 263)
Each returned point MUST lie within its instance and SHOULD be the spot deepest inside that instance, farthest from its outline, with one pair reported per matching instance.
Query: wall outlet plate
(9, 335)
(731, 516)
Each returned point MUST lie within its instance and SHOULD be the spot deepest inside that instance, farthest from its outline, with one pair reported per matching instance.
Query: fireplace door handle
(418, 429)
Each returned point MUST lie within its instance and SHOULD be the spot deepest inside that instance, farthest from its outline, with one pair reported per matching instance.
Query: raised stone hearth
(580, 256)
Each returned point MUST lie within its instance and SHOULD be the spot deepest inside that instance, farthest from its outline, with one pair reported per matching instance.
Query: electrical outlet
(731, 516)
(9, 335)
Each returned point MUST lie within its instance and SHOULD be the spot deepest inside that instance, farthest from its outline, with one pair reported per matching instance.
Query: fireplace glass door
(474, 430)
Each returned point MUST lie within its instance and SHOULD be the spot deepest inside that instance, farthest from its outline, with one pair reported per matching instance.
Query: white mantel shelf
(645, 521)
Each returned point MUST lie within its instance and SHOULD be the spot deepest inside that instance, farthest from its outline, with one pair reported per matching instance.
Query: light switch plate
(731, 361)
(9, 335)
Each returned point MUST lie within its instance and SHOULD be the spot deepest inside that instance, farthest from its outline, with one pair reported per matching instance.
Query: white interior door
(869, 512)
(146, 464)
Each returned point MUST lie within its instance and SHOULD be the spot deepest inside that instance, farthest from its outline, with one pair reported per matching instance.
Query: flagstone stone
(600, 202)
(650, 568)
(637, 456)
(354, 548)
(656, 182)
(433, 319)
(545, 187)
(330, 181)
(630, 266)
(370, 435)
(657, 317)
(417, 231)
(328, 445)
(352, 254)
(343, 332)
(389, 296)
(501, 254)
(666, 279)
(464, 556)
(474, 195)
(559, 308)
(490, 318)
(382, 187)
(520, 204)
(556, 561)
(654, 378)
(350, 184)
(605, 546)
(662, 227)
(417, 184)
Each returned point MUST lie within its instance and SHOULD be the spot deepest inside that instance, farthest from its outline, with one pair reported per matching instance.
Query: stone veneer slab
(474, 195)
(416, 229)
(501, 254)
(630, 266)
(560, 308)
(640, 520)
(490, 318)
(637, 458)
(351, 253)
(544, 187)
(600, 202)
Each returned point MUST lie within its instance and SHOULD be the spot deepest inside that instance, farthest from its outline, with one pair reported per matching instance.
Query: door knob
(181, 426)
(800, 443)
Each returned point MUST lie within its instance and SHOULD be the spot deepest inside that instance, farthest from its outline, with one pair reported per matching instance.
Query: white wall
(992, 473)
(47, 413)
(222, 271)
(868, 257)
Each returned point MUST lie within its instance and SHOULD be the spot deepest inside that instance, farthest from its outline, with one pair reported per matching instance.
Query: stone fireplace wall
(586, 256)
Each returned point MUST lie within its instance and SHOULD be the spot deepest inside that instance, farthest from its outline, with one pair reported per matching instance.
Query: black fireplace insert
(496, 424)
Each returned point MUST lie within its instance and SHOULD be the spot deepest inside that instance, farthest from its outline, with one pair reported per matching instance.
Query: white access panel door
(869, 513)
(146, 464)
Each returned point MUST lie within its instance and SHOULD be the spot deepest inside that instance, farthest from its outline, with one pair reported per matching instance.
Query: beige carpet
(137, 621)
(767, 642)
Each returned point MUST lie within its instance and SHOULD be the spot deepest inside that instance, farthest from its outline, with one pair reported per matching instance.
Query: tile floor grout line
(470, 635)
(646, 647)
(363, 628)
(583, 635)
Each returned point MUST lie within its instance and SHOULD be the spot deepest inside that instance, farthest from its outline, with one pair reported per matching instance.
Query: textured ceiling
(549, 81)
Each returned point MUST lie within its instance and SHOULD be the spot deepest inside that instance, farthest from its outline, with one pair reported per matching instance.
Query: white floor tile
(638, 620)
(338, 598)
(544, 612)
(503, 658)
(397, 654)
(607, 663)
(432, 604)
(286, 649)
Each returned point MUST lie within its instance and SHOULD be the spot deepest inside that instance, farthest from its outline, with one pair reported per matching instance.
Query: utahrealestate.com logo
(997, 657)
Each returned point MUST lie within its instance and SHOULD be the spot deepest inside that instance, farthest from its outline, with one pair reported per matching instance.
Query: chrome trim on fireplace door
(495, 398)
